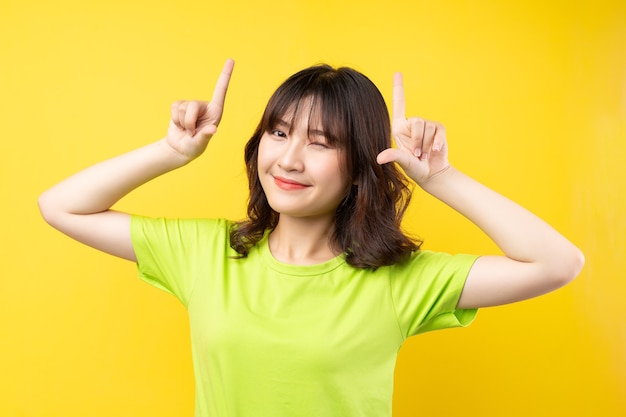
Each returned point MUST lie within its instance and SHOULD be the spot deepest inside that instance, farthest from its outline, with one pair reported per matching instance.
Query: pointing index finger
(219, 94)
(398, 110)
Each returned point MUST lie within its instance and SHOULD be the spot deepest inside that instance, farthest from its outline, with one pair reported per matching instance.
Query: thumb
(206, 132)
(394, 155)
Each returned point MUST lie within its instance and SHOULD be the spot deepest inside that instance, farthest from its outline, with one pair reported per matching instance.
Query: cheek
(263, 155)
(335, 173)
(343, 170)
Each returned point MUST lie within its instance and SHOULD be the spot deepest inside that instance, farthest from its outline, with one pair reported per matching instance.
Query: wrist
(437, 178)
(172, 157)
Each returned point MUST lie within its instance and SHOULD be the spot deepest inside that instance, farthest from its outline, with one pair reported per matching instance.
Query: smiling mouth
(286, 184)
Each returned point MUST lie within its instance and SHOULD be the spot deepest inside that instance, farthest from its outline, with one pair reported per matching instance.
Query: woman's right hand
(195, 122)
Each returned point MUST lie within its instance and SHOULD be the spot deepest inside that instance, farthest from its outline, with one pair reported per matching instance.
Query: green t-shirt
(271, 339)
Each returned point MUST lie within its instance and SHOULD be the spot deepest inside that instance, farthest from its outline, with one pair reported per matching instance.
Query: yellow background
(533, 94)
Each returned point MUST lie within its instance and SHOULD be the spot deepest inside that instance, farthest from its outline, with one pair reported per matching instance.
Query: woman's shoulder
(424, 259)
(201, 221)
(181, 226)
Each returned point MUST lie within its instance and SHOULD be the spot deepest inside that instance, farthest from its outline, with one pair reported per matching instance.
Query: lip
(287, 184)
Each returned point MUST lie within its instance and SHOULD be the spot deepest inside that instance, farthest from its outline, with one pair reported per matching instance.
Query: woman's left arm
(537, 259)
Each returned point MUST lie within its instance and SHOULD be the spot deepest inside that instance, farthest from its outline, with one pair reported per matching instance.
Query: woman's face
(301, 174)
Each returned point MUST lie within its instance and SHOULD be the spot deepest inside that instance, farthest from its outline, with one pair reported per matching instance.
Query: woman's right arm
(80, 206)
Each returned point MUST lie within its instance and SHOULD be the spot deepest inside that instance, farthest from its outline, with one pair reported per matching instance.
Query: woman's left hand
(422, 149)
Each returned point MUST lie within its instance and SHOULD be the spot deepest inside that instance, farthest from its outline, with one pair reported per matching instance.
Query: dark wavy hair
(355, 119)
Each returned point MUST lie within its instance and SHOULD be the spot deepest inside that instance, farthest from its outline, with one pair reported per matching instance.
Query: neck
(301, 241)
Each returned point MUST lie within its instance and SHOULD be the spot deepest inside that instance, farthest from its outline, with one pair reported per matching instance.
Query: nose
(291, 157)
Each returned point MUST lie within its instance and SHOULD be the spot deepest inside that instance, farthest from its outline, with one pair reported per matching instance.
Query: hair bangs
(318, 101)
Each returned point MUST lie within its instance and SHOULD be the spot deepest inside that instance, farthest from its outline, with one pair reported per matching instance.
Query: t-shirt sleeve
(170, 252)
(426, 290)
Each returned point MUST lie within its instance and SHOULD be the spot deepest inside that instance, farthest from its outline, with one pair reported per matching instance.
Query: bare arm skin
(537, 259)
(80, 206)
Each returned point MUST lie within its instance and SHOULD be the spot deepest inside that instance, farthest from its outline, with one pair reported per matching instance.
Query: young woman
(300, 309)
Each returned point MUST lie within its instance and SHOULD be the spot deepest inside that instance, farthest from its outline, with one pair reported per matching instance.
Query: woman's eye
(279, 133)
(320, 144)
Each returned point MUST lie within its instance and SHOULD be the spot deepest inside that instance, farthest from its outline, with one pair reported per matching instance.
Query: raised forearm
(520, 235)
(98, 187)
